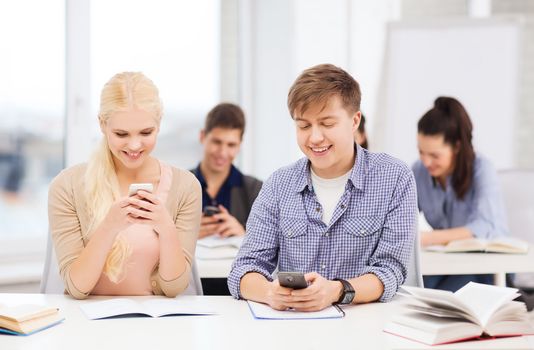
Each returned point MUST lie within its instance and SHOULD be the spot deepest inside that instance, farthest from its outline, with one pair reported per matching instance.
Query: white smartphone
(132, 190)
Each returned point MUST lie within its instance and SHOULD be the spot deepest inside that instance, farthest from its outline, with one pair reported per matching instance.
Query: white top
(328, 192)
(233, 328)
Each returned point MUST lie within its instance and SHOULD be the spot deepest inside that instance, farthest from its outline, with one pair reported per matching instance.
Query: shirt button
(323, 266)
(327, 234)
(362, 232)
(318, 209)
(342, 206)
(154, 283)
(289, 233)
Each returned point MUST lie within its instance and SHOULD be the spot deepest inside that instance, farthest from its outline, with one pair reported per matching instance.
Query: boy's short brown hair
(318, 83)
(226, 116)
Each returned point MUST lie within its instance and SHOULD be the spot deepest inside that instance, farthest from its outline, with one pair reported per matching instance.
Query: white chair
(517, 186)
(195, 286)
(51, 282)
(414, 277)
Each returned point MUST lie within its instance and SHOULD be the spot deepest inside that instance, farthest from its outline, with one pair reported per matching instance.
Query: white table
(434, 263)
(209, 263)
(219, 268)
(233, 328)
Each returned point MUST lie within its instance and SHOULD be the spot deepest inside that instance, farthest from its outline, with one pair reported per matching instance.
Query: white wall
(280, 39)
(430, 58)
(284, 37)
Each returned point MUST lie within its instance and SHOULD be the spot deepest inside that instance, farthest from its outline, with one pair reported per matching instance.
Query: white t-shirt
(328, 192)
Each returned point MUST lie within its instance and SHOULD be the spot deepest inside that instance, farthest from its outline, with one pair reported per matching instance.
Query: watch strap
(348, 290)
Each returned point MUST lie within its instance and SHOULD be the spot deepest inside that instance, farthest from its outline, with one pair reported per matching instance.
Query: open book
(150, 307)
(265, 312)
(215, 241)
(475, 311)
(497, 245)
(27, 319)
(214, 247)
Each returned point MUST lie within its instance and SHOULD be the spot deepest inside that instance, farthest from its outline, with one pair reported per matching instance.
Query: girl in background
(458, 190)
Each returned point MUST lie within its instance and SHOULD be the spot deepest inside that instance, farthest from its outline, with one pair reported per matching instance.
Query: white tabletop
(435, 263)
(432, 263)
(498, 264)
(233, 328)
(214, 268)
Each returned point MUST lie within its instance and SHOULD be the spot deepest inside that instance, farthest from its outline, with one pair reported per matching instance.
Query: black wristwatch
(348, 292)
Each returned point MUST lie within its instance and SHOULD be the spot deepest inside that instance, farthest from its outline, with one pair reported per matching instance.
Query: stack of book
(27, 319)
(476, 311)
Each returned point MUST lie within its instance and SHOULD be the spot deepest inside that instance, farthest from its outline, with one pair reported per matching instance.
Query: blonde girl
(109, 243)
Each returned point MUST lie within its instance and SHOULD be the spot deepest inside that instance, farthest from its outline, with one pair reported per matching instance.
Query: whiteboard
(473, 60)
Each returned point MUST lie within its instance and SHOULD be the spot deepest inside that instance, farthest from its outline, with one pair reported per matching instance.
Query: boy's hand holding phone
(293, 280)
(319, 294)
(217, 220)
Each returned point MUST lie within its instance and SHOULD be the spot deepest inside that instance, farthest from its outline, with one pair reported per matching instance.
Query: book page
(263, 311)
(113, 307)
(485, 299)
(166, 307)
(458, 246)
(467, 245)
(511, 311)
(215, 241)
(508, 245)
(431, 330)
(20, 313)
(217, 253)
(440, 299)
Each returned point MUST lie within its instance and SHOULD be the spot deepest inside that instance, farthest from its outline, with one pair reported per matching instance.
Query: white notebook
(156, 307)
(265, 312)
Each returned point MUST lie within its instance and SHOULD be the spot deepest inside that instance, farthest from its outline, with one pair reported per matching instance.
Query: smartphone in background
(210, 210)
(294, 280)
(132, 190)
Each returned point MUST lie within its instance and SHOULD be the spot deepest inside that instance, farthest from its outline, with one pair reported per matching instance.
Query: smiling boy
(342, 215)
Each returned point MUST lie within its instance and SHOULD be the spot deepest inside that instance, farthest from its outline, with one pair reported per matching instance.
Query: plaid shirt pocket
(363, 226)
(296, 245)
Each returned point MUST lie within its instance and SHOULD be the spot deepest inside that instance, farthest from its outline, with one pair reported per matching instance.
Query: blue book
(27, 319)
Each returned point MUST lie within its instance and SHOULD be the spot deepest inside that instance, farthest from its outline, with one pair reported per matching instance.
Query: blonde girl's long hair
(123, 92)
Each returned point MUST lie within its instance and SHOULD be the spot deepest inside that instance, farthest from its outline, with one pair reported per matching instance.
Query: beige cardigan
(68, 218)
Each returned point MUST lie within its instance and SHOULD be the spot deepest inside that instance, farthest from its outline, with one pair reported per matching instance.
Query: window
(32, 99)
(176, 44)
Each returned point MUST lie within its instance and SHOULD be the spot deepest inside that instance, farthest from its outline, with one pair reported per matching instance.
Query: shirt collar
(356, 178)
(436, 184)
(234, 179)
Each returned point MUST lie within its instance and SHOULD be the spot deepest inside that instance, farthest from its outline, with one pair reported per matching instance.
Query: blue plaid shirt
(372, 229)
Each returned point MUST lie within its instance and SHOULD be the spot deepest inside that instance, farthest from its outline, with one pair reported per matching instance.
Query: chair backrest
(195, 286)
(414, 278)
(517, 186)
(51, 282)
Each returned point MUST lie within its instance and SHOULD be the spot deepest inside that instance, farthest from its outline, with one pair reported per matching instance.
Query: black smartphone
(294, 280)
(210, 210)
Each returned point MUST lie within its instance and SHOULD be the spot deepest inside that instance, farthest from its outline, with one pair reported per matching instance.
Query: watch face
(348, 297)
